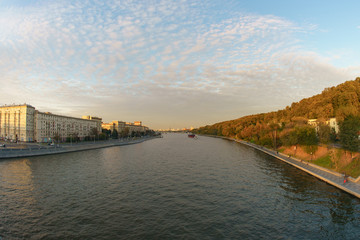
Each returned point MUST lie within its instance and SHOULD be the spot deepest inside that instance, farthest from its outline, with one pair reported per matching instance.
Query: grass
(324, 162)
(333, 160)
(281, 150)
(353, 169)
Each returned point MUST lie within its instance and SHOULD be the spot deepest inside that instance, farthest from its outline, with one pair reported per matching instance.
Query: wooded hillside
(339, 102)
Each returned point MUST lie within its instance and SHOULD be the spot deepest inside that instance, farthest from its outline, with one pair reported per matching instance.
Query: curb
(18, 153)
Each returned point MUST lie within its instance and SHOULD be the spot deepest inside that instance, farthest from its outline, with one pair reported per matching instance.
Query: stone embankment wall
(57, 149)
(351, 186)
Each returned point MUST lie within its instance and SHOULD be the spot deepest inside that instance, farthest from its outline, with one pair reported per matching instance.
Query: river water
(170, 188)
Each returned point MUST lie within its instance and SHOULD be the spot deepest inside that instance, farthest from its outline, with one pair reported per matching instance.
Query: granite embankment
(336, 179)
(351, 186)
(65, 148)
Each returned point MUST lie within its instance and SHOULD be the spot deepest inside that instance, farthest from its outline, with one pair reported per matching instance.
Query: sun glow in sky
(174, 63)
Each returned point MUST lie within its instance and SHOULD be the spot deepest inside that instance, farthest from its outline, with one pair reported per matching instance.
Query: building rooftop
(16, 105)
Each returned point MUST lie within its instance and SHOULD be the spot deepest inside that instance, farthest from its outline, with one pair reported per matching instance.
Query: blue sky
(174, 63)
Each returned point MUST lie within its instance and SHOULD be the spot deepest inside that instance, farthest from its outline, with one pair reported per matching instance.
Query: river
(170, 188)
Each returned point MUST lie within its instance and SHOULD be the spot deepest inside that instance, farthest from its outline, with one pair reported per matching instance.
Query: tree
(114, 134)
(103, 136)
(339, 102)
(324, 133)
(94, 132)
(106, 133)
(349, 129)
(306, 135)
(273, 132)
(299, 120)
(333, 135)
(56, 137)
(73, 137)
(289, 138)
(125, 132)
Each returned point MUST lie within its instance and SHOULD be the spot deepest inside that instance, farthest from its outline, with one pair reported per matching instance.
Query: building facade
(136, 127)
(332, 123)
(120, 126)
(50, 126)
(24, 123)
(17, 122)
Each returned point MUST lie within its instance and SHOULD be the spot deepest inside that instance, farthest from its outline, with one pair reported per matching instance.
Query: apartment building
(120, 126)
(136, 127)
(17, 122)
(25, 123)
(48, 126)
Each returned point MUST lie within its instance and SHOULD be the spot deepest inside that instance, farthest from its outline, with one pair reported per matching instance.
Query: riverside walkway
(352, 186)
(65, 148)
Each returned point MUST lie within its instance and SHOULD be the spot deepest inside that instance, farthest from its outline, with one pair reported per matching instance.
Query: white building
(17, 122)
(332, 123)
(24, 123)
(49, 126)
(120, 126)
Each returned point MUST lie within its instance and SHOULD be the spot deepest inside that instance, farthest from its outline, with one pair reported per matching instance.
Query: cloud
(118, 59)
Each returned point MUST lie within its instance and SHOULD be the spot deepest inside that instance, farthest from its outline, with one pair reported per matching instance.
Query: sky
(174, 64)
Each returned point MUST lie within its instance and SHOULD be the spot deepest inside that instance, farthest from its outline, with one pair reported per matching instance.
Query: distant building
(48, 126)
(137, 123)
(313, 122)
(136, 127)
(332, 123)
(24, 123)
(88, 117)
(120, 126)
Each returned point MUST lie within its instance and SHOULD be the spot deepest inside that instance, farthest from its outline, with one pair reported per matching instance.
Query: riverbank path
(39, 150)
(352, 186)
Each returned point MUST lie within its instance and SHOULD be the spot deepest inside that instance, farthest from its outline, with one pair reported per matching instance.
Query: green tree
(125, 132)
(103, 136)
(289, 138)
(106, 132)
(306, 135)
(349, 129)
(333, 135)
(324, 133)
(114, 134)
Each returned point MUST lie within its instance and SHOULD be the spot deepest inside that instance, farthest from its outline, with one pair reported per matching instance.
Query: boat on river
(191, 135)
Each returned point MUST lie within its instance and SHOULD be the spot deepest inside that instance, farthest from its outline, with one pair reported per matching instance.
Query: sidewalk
(336, 179)
(39, 151)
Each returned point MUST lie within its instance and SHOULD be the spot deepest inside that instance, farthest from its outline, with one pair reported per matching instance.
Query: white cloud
(136, 57)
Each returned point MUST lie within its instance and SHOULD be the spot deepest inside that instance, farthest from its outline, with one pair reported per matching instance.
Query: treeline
(105, 134)
(289, 126)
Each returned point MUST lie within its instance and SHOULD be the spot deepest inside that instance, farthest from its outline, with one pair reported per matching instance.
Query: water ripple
(170, 188)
